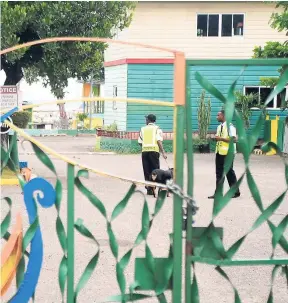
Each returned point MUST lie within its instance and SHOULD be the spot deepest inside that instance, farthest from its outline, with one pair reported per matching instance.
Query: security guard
(223, 136)
(150, 139)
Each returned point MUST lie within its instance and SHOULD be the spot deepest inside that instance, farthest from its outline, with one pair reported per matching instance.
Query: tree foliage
(278, 21)
(55, 63)
(21, 119)
(82, 117)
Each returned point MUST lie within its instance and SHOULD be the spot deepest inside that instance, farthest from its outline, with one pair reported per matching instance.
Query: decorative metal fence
(203, 245)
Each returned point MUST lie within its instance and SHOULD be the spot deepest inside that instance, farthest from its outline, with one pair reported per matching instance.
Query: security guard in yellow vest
(150, 139)
(223, 136)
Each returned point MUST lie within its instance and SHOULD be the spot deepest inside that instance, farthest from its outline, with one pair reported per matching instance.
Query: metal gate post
(190, 184)
(178, 149)
(70, 233)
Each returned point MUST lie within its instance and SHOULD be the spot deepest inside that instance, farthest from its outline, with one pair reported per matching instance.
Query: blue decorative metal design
(29, 283)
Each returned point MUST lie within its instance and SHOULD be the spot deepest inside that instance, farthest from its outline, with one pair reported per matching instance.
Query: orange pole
(84, 39)
(178, 150)
(179, 78)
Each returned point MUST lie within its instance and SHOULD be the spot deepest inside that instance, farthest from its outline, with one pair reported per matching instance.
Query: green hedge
(127, 146)
(21, 119)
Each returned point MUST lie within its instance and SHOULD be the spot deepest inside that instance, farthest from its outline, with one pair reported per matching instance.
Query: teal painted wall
(149, 81)
(222, 77)
(155, 81)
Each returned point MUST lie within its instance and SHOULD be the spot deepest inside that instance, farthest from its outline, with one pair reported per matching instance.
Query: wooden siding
(154, 81)
(115, 75)
(174, 25)
(150, 81)
(222, 77)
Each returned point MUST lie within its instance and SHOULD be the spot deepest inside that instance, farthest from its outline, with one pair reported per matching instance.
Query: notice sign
(9, 96)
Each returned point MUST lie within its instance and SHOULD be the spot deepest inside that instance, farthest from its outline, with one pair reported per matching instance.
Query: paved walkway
(236, 218)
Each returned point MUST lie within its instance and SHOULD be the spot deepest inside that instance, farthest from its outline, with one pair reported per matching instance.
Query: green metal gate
(203, 245)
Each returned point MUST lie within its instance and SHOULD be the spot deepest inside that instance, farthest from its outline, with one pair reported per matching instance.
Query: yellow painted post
(274, 135)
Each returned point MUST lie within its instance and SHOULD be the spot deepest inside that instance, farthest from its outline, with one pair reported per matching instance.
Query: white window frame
(220, 25)
(115, 94)
(274, 100)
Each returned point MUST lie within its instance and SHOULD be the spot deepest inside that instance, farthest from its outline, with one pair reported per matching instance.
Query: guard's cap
(151, 117)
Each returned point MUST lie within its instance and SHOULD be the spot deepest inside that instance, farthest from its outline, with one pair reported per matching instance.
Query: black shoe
(236, 195)
(211, 197)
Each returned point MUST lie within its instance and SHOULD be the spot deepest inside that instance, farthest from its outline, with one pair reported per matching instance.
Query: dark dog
(161, 176)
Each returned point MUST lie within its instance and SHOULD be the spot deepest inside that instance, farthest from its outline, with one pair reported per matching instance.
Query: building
(93, 110)
(215, 37)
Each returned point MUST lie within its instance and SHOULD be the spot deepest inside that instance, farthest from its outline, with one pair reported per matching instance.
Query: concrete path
(253, 283)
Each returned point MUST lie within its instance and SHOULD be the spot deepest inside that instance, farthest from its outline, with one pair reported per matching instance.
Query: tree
(55, 63)
(272, 49)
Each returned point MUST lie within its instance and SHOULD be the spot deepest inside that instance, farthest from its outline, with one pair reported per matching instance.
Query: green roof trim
(259, 62)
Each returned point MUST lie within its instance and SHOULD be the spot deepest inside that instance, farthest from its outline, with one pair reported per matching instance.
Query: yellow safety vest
(222, 147)
(149, 138)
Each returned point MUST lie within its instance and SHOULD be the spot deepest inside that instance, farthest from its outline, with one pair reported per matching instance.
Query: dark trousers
(231, 176)
(150, 161)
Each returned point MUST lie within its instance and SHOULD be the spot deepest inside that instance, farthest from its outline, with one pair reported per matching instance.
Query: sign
(9, 96)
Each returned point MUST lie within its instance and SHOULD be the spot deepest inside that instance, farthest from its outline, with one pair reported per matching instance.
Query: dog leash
(167, 163)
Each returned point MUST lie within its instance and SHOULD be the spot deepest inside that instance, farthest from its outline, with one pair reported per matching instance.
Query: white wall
(174, 25)
(116, 76)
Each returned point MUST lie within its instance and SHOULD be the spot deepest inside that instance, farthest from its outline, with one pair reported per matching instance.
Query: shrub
(21, 119)
(204, 117)
(112, 127)
(82, 116)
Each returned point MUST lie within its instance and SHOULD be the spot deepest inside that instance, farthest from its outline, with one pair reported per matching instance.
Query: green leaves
(55, 63)
(82, 229)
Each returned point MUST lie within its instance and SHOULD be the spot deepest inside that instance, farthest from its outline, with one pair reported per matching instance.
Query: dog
(161, 176)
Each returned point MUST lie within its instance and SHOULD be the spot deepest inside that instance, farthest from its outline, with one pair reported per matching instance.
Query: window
(115, 93)
(224, 25)
(207, 25)
(97, 107)
(262, 94)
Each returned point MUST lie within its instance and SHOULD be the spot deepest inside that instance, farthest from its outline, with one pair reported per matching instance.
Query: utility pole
(91, 95)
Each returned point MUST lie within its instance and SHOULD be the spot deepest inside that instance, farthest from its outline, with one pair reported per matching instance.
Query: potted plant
(199, 32)
(81, 117)
(204, 118)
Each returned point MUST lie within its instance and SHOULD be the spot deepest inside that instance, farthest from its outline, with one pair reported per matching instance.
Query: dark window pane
(264, 93)
(251, 90)
(238, 25)
(281, 98)
(213, 25)
(202, 25)
(226, 25)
